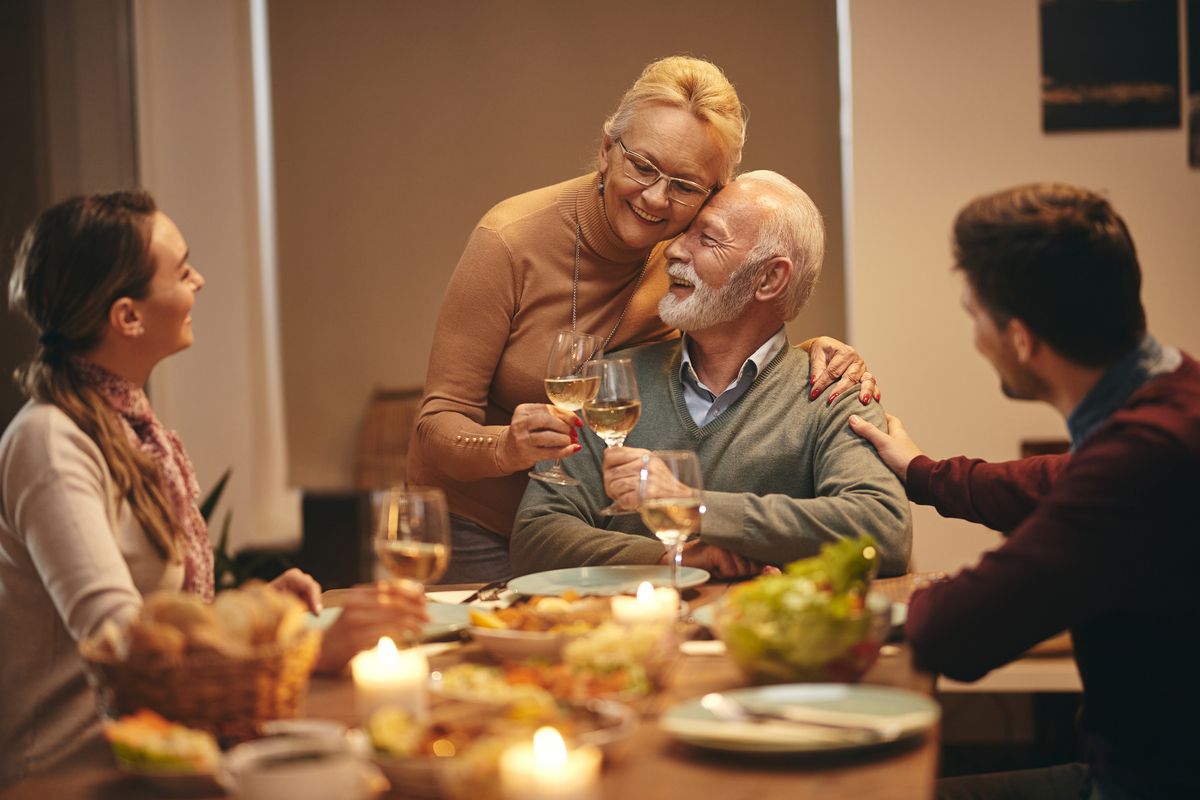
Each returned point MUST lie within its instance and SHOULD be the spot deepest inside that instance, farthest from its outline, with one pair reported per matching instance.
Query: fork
(492, 590)
(727, 708)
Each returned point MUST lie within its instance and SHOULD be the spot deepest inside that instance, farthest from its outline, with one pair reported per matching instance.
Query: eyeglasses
(643, 170)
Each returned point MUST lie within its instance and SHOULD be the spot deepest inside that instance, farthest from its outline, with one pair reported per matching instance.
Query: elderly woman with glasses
(585, 254)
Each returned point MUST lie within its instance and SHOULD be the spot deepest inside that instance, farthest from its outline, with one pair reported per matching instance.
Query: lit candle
(386, 676)
(650, 606)
(546, 770)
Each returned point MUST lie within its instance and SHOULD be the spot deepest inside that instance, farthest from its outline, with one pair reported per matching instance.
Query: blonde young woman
(97, 498)
(583, 254)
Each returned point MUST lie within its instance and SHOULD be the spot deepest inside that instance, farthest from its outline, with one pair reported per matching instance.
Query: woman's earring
(600, 186)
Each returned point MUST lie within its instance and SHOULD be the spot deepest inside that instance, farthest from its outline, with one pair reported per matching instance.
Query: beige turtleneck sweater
(508, 296)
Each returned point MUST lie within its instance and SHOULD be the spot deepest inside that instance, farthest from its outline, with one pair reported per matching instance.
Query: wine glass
(567, 387)
(671, 500)
(412, 534)
(614, 409)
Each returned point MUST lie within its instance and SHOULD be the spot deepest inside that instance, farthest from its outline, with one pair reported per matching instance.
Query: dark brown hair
(1059, 259)
(75, 260)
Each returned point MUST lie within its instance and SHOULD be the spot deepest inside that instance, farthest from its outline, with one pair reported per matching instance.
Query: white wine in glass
(568, 387)
(412, 534)
(614, 408)
(671, 500)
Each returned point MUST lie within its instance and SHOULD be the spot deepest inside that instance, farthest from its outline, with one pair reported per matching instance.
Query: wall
(196, 134)
(66, 129)
(946, 107)
(398, 124)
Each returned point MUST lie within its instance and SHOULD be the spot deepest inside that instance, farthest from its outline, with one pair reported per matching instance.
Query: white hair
(794, 230)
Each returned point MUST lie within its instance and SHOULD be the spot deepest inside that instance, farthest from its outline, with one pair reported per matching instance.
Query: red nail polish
(832, 397)
(578, 422)
(866, 398)
(577, 447)
(813, 396)
(878, 396)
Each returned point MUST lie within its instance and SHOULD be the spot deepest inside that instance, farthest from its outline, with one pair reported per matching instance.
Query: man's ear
(1025, 343)
(773, 279)
(125, 319)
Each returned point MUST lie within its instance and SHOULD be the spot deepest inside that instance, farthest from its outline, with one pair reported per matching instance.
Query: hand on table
(830, 360)
(303, 586)
(368, 613)
(537, 432)
(721, 563)
(896, 448)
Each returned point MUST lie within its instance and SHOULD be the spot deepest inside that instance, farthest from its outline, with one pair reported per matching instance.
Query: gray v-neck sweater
(783, 474)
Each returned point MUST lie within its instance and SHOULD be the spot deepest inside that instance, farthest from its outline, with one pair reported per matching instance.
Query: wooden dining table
(652, 764)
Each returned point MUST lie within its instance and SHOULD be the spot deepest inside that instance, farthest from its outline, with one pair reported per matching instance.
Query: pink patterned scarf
(174, 469)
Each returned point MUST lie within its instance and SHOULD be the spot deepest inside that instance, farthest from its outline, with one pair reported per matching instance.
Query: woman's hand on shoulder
(831, 360)
(370, 612)
(538, 432)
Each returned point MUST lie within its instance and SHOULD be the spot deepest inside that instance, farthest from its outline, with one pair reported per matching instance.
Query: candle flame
(388, 655)
(645, 593)
(549, 749)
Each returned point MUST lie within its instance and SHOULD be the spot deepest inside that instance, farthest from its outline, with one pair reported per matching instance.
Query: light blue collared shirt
(705, 405)
(1148, 360)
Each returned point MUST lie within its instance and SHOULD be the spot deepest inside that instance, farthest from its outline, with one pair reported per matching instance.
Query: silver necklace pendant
(575, 290)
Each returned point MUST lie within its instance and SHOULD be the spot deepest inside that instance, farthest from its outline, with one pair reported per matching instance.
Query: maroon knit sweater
(1104, 543)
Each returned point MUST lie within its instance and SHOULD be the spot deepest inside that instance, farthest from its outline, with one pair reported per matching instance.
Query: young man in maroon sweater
(1103, 541)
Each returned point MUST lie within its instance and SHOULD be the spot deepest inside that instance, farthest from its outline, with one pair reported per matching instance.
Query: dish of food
(175, 759)
(891, 714)
(460, 746)
(539, 628)
(604, 580)
(706, 616)
(612, 661)
(814, 622)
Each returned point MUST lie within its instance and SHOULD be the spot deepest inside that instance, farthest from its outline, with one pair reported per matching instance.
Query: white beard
(705, 307)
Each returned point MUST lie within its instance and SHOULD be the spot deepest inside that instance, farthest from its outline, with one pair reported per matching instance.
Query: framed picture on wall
(1109, 64)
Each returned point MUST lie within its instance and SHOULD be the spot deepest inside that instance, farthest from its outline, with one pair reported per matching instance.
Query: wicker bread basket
(227, 696)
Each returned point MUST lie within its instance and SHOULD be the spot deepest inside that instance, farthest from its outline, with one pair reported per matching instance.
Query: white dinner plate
(904, 713)
(605, 580)
(444, 619)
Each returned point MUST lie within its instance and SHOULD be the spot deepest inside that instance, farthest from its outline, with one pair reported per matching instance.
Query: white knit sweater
(71, 556)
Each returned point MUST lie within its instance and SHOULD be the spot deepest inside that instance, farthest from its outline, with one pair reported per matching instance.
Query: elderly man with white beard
(782, 476)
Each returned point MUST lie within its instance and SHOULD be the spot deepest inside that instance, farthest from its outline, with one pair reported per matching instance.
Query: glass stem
(676, 562)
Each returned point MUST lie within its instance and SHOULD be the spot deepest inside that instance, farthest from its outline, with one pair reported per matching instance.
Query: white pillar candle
(386, 676)
(650, 606)
(546, 770)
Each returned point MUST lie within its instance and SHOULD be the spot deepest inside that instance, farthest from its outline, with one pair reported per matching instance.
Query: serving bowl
(469, 762)
(511, 645)
(806, 644)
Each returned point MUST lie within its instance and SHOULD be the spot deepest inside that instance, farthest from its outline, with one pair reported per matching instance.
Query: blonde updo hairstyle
(76, 260)
(697, 86)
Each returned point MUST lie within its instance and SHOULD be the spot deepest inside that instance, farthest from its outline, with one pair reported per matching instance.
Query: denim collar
(1148, 360)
